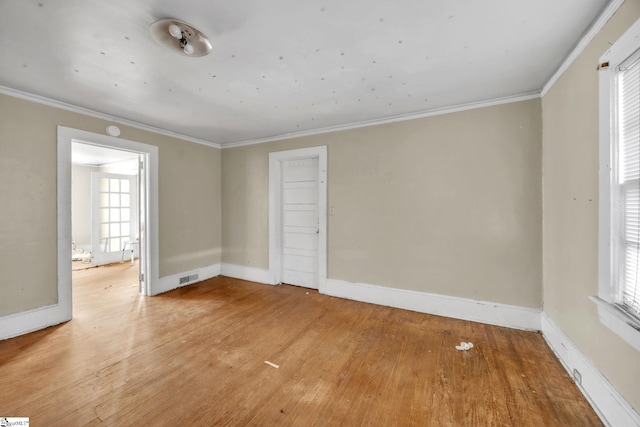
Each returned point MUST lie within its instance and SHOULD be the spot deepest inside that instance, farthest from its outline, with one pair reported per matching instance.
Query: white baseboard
(251, 274)
(510, 316)
(169, 283)
(608, 403)
(16, 324)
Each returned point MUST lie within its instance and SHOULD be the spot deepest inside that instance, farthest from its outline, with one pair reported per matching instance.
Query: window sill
(621, 323)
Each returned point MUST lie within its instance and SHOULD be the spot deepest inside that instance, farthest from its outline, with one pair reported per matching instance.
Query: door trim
(276, 160)
(151, 250)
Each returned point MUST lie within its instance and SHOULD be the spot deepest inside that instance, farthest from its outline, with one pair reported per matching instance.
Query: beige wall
(189, 201)
(448, 204)
(570, 232)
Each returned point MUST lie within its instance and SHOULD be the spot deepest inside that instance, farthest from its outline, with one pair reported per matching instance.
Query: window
(115, 212)
(627, 201)
(619, 235)
(114, 215)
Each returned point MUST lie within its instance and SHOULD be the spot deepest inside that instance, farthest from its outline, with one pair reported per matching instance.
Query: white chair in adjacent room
(131, 245)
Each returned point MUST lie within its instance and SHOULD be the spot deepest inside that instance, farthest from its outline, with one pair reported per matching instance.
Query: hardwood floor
(196, 356)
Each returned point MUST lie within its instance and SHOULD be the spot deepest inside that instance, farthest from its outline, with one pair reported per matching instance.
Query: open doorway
(62, 309)
(148, 231)
(106, 207)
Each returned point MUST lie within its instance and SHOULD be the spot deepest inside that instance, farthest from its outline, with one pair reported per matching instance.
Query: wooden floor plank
(195, 356)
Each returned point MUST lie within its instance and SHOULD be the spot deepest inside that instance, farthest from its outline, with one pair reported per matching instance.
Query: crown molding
(92, 113)
(392, 119)
(595, 28)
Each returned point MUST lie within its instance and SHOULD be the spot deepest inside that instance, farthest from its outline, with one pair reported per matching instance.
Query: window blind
(628, 181)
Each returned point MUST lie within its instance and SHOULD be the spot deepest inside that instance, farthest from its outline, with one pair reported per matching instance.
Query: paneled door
(114, 215)
(300, 222)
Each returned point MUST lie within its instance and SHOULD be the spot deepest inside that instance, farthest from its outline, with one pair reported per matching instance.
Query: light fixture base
(191, 35)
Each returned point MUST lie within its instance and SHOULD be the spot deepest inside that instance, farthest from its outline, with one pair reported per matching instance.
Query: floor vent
(187, 279)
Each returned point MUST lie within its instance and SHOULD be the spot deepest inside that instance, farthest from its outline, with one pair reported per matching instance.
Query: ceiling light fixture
(180, 37)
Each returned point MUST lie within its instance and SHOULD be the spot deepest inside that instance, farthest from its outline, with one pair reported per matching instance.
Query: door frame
(276, 160)
(150, 268)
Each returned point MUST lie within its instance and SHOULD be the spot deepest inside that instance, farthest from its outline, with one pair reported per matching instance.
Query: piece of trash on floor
(464, 346)
(271, 364)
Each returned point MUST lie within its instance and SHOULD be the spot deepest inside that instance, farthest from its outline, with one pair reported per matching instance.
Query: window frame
(612, 315)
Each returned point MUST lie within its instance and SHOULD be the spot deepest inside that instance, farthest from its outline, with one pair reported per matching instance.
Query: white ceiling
(285, 66)
(94, 155)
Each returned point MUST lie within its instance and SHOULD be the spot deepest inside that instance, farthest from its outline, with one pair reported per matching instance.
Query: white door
(141, 217)
(300, 222)
(114, 216)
